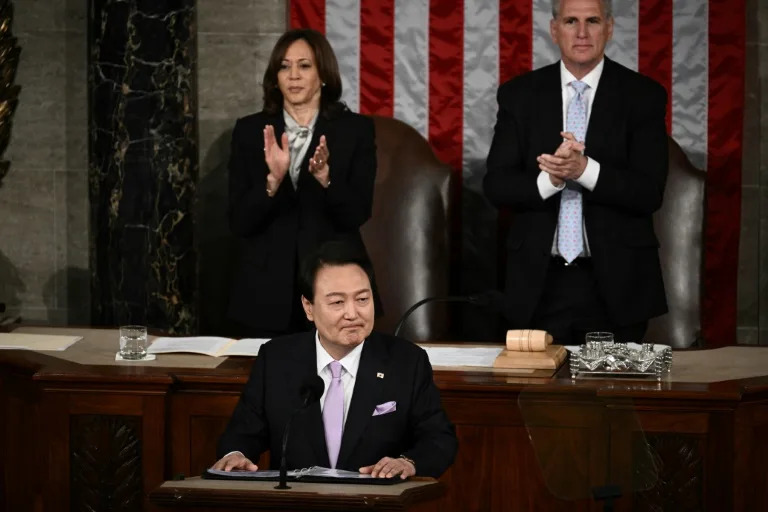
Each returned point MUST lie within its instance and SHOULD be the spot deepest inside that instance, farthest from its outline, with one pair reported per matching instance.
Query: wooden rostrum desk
(81, 432)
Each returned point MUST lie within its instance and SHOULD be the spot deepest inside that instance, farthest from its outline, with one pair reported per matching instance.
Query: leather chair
(679, 227)
(407, 236)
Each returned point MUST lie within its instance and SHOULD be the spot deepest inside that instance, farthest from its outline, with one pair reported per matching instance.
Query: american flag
(436, 64)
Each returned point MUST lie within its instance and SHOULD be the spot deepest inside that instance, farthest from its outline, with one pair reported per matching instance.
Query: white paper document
(41, 342)
(244, 347)
(463, 356)
(208, 345)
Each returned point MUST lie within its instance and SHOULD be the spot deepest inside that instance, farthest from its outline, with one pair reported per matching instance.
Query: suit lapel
(306, 364)
(550, 109)
(601, 116)
(368, 389)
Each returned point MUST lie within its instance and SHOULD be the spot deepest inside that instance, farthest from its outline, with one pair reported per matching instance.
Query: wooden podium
(81, 431)
(197, 494)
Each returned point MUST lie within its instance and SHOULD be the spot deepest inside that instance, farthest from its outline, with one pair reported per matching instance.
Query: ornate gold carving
(9, 93)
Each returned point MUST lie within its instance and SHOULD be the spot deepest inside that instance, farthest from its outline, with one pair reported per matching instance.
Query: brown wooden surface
(416, 495)
(525, 443)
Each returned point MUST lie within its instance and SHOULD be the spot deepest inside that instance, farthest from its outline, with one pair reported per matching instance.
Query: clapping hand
(318, 164)
(568, 162)
(277, 156)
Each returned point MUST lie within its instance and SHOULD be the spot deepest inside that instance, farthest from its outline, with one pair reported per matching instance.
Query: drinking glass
(133, 342)
(601, 337)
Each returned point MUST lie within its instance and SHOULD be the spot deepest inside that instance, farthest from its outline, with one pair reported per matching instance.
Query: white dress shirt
(588, 178)
(349, 363)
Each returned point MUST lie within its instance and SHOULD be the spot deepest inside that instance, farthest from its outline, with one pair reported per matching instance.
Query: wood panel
(105, 463)
(751, 458)
(524, 444)
(20, 437)
(102, 444)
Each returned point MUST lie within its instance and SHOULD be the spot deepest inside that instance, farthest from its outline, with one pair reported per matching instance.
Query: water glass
(133, 342)
(603, 338)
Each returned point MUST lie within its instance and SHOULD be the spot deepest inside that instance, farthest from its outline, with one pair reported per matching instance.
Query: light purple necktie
(333, 413)
(570, 238)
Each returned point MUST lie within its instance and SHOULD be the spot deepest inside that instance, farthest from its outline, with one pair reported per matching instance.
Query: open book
(315, 474)
(208, 345)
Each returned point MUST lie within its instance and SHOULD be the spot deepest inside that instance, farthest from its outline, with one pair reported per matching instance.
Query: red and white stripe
(436, 64)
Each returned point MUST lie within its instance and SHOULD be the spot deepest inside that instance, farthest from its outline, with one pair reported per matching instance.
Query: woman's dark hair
(327, 69)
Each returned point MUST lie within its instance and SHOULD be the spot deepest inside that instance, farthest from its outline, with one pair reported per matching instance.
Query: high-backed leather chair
(679, 227)
(407, 236)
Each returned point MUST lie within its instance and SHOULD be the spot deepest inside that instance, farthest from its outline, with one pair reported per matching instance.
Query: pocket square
(385, 408)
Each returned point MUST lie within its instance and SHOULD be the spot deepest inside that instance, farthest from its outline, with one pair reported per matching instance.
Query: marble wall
(44, 198)
(143, 163)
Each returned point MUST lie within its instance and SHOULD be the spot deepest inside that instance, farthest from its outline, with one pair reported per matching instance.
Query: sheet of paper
(463, 356)
(42, 342)
(209, 345)
(245, 347)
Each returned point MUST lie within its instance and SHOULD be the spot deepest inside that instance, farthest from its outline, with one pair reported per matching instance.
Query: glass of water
(603, 338)
(133, 342)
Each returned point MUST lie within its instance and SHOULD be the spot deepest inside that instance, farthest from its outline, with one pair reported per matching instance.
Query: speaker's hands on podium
(235, 461)
(389, 467)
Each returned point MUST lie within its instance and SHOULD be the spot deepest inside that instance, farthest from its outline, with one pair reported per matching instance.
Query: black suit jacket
(418, 429)
(626, 134)
(276, 232)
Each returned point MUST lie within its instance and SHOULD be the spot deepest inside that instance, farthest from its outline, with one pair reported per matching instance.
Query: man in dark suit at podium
(579, 155)
(380, 411)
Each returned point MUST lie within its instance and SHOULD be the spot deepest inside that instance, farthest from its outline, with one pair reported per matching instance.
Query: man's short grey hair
(607, 8)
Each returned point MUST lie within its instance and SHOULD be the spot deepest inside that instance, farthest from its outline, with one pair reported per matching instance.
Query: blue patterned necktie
(570, 237)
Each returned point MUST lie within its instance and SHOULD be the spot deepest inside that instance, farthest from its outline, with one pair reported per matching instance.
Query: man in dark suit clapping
(380, 412)
(579, 155)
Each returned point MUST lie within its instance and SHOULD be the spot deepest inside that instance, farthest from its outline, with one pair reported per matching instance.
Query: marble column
(143, 162)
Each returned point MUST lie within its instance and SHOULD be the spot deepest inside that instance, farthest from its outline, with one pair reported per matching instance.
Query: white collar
(350, 362)
(591, 79)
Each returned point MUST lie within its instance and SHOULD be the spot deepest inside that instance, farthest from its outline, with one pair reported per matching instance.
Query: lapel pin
(379, 375)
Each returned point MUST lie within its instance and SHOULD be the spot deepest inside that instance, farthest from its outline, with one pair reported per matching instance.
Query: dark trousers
(571, 306)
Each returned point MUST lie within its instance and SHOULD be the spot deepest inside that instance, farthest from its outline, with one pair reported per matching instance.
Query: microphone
(490, 298)
(310, 391)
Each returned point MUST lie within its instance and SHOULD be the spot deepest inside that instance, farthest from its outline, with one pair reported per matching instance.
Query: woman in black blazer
(301, 172)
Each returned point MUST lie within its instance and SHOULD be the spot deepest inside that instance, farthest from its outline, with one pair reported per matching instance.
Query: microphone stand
(489, 299)
(449, 298)
(282, 484)
(312, 390)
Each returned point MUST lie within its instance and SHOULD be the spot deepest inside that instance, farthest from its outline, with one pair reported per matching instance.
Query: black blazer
(627, 136)
(418, 429)
(276, 232)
